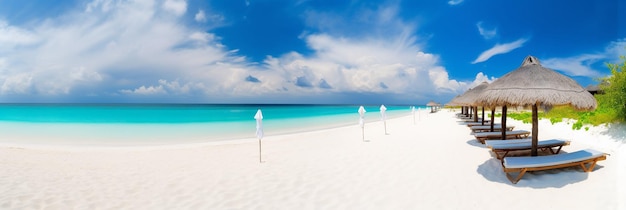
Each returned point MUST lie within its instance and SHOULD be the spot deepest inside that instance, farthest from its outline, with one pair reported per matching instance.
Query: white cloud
(499, 49)
(200, 16)
(615, 49)
(143, 90)
(19, 83)
(138, 48)
(574, 66)
(361, 66)
(442, 82)
(177, 7)
(11, 36)
(209, 18)
(486, 33)
(163, 88)
(582, 65)
(455, 2)
(108, 47)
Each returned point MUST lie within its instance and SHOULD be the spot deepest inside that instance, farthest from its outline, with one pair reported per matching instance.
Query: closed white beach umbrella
(362, 120)
(383, 116)
(259, 129)
(413, 113)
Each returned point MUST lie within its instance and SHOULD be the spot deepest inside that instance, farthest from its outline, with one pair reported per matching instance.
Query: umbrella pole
(385, 122)
(483, 118)
(475, 114)
(493, 113)
(363, 132)
(533, 151)
(503, 123)
(260, 160)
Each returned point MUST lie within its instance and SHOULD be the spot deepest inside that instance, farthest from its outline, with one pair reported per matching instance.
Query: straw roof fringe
(470, 97)
(533, 84)
(432, 103)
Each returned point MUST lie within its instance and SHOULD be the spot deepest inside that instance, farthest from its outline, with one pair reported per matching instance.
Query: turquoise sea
(157, 124)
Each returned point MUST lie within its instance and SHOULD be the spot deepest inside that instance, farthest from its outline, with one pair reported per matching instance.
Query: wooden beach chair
(580, 158)
(502, 149)
(518, 134)
(487, 128)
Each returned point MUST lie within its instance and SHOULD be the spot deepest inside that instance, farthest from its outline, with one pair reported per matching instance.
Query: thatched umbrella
(457, 101)
(471, 96)
(536, 86)
(453, 102)
(432, 105)
(462, 100)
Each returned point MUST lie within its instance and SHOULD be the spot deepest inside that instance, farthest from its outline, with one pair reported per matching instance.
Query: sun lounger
(523, 164)
(487, 128)
(518, 134)
(502, 149)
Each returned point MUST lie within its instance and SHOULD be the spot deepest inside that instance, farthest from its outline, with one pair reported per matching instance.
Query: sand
(432, 164)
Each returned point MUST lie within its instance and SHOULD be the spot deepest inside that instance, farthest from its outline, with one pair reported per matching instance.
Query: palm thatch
(532, 84)
(434, 106)
(470, 97)
(536, 86)
(467, 99)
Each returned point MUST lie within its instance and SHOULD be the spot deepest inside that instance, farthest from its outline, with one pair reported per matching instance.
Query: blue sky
(280, 51)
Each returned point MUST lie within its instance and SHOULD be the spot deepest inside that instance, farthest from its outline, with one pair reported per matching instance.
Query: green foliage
(577, 125)
(556, 120)
(601, 115)
(525, 117)
(614, 88)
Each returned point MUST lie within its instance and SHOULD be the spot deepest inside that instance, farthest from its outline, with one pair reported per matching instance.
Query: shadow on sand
(616, 131)
(555, 178)
(476, 143)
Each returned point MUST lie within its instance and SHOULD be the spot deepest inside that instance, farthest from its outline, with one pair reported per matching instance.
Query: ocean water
(157, 124)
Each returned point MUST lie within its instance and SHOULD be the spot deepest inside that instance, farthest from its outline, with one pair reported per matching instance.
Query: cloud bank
(112, 51)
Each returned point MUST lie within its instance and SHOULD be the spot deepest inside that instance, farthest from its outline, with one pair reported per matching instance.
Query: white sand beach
(433, 164)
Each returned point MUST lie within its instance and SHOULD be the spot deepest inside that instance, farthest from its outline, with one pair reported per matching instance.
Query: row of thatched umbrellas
(434, 106)
(530, 85)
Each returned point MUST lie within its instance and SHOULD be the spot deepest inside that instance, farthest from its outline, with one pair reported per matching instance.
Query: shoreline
(200, 142)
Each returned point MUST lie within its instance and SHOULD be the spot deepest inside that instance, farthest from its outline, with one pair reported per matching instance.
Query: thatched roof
(533, 84)
(592, 88)
(432, 103)
(470, 96)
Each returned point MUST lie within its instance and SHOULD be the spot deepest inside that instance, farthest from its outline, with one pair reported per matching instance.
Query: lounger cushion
(515, 132)
(482, 127)
(490, 143)
(550, 160)
(526, 145)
